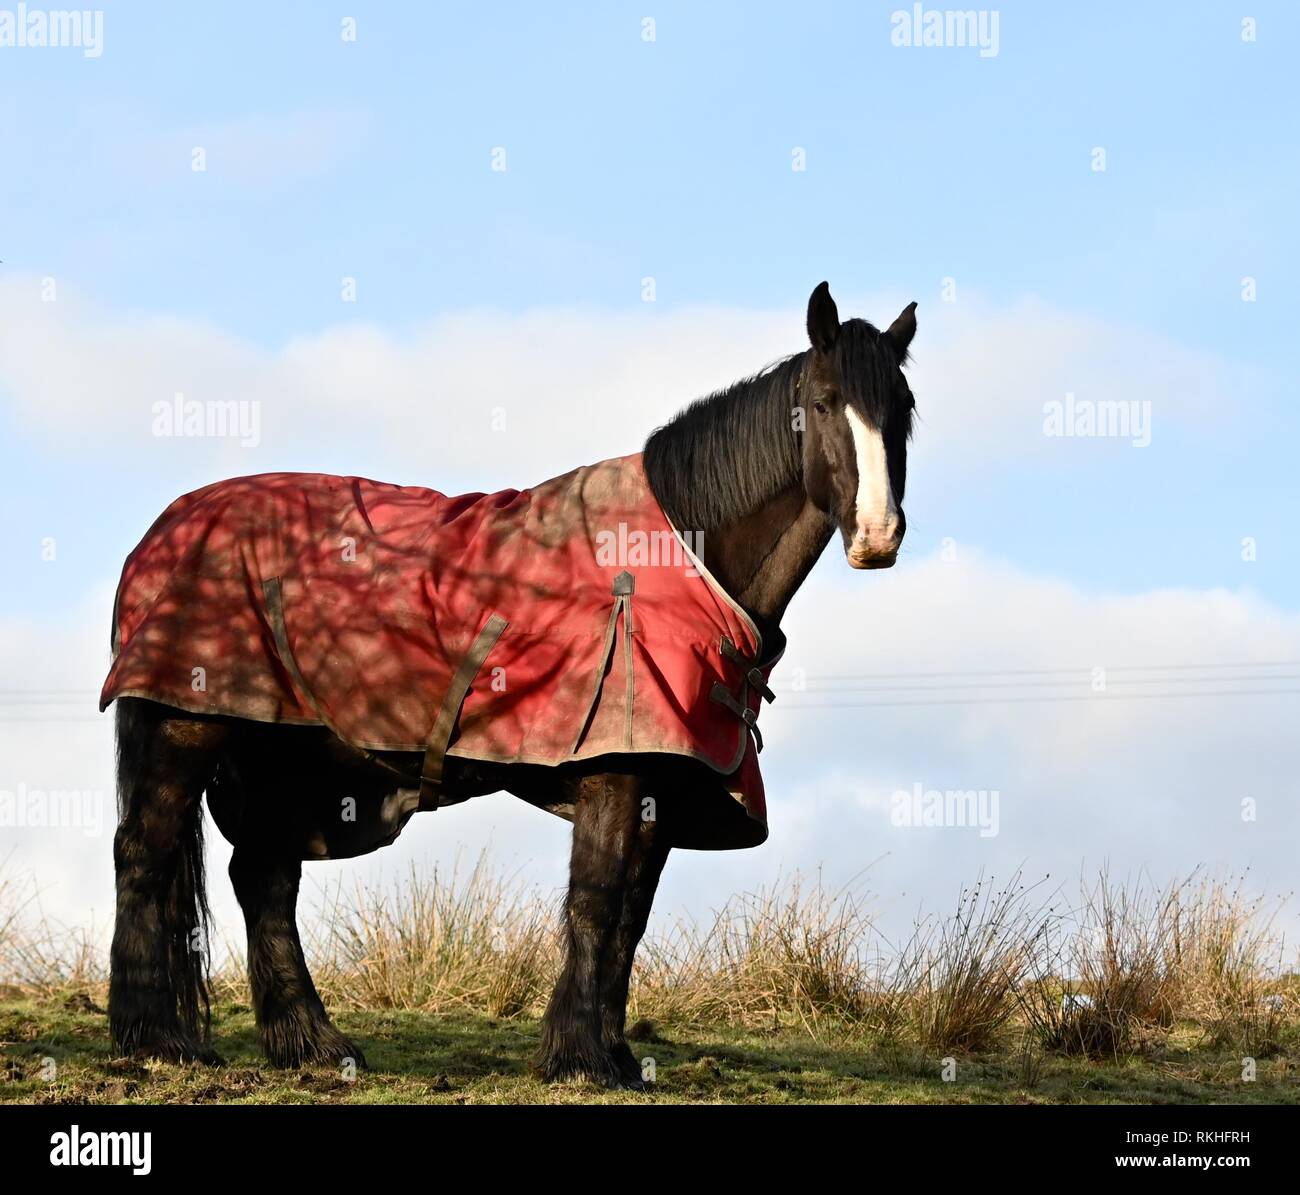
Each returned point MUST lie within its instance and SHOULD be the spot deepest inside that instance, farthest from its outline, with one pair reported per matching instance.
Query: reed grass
(1103, 975)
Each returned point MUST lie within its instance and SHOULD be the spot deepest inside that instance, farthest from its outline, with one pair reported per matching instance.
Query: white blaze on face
(876, 513)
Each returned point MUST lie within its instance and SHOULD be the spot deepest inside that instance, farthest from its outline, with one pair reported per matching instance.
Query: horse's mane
(731, 451)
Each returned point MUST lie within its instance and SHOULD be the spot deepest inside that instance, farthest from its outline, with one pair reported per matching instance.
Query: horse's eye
(819, 406)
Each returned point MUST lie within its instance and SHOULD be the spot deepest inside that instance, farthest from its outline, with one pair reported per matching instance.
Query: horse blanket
(545, 625)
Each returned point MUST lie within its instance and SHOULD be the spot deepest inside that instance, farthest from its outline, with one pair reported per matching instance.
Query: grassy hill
(471, 1057)
(1123, 993)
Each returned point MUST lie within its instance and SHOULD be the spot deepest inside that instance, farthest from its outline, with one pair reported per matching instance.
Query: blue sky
(671, 159)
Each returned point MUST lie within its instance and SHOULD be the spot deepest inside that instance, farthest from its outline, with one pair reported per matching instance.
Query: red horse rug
(544, 626)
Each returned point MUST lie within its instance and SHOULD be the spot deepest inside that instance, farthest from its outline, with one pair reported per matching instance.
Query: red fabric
(384, 589)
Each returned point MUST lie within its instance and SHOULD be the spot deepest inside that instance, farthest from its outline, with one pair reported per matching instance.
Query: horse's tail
(169, 876)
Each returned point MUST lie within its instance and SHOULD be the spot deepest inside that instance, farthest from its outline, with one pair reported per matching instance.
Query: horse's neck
(763, 558)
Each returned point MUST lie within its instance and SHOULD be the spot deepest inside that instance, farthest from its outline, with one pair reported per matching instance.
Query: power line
(1085, 670)
(1039, 684)
(18, 705)
(76, 696)
(1099, 698)
(1051, 698)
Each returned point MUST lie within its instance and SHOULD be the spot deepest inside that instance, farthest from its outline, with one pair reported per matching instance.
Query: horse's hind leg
(615, 854)
(293, 1023)
(158, 993)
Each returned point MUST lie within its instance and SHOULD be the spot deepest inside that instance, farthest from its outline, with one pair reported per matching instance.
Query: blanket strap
(726, 698)
(753, 673)
(753, 677)
(623, 588)
(435, 751)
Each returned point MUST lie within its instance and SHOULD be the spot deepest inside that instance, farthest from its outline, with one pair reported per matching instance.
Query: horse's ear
(902, 330)
(823, 319)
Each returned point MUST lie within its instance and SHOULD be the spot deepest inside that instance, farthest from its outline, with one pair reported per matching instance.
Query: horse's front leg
(646, 859)
(615, 852)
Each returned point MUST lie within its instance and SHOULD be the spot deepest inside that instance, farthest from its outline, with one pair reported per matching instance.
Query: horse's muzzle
(874, 549)
(859, 560)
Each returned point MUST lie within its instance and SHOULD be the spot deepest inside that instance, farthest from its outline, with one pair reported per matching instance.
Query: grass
(471, 1057)
(1132, 994)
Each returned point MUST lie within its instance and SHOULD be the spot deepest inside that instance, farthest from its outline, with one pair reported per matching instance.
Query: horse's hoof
(178, 1047)
(291, 1045)
(613, 1068)
(630, 1074)
(601, 1071)
(344, 1051)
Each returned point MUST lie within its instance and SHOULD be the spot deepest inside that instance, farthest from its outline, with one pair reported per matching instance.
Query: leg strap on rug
(435, 751)
(753, 673)
(737, 705)
(753, 678)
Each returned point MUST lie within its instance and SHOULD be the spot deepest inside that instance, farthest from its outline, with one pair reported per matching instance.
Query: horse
(764, 474)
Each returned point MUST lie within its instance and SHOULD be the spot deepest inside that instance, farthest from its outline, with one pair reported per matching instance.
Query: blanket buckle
(753, 674)
(728, 700)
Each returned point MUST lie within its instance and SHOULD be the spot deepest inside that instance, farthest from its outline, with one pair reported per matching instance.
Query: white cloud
(568, 385)
(274, 149)
(52, 739)
(264, 152)
(1154, 784)
(991, 369)
(1144, 775)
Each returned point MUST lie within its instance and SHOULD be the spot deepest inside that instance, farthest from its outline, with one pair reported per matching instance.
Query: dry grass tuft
(1108, 977)
(792, 952)
(971, 963)
(1118, 972)
(39, 954)
(434, 942)
(1103, 984)
(1226, 959)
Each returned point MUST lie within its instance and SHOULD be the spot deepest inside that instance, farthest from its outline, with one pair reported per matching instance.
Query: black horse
(764, 473)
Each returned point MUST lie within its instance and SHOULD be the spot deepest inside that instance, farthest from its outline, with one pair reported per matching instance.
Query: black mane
(737, 448)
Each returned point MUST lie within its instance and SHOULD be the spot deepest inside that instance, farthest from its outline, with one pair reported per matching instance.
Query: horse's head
(857, 413)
